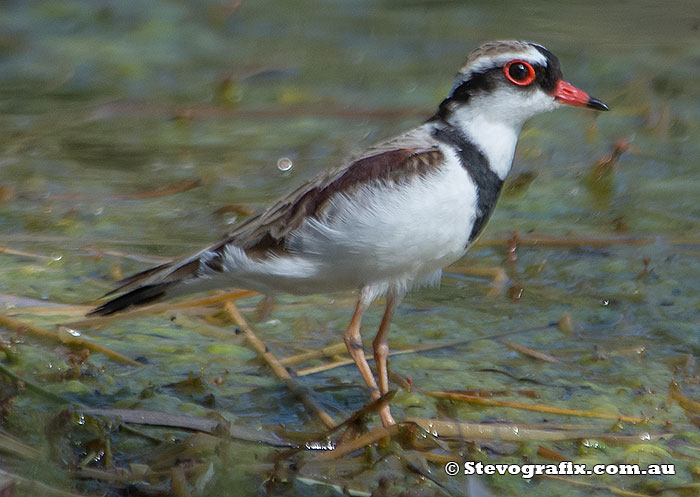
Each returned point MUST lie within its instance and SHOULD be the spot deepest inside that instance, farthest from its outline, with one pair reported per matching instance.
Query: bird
(386, 220)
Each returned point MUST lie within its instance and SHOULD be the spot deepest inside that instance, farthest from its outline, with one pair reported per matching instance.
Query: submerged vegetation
(133, 133)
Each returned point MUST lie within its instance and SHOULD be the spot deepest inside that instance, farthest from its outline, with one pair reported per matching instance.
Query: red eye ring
(519, 72)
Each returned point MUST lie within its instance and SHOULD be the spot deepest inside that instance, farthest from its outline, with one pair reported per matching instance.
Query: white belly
(379, 238)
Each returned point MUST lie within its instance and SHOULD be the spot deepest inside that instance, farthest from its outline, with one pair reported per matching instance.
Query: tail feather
(142, 295)
(137, 279)
(179, 277)
(152, 284)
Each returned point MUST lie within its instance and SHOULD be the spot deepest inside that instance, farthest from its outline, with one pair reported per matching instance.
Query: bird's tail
(139, 296)
(170, 279)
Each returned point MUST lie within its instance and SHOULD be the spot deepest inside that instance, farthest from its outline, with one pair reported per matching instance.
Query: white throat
(495, 139)
(493, 122)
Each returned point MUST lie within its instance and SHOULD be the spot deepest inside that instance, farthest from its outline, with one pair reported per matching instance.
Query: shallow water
(103, 102)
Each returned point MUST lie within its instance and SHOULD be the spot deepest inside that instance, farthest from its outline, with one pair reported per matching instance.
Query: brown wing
(267, 231)
(269, 228)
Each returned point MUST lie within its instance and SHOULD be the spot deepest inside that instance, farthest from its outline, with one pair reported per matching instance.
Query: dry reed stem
(675, 392)
(538, 408)
(414, 350)
(552, 455)
(324, 352)
(156, 418)
(522, 432)
(363, 440)
(17, 448)
(22, 253)
(49, 310)
(529, 352)
(332, 365)
(187, 422)
(64, 337)
(33, 387)
(441, 459)
(117, 475)
(492, 431)
(279, 370)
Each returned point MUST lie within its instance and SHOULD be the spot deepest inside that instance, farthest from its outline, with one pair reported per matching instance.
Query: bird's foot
(387, 418)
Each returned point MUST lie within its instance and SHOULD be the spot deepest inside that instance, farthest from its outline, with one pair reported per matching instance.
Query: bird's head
(509, 82)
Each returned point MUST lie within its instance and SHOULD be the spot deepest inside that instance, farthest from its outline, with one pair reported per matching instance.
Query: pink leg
(381, 352)
(381, 345)
(353, 341)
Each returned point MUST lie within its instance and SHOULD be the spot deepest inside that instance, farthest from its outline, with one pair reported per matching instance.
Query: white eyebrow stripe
(533, 56)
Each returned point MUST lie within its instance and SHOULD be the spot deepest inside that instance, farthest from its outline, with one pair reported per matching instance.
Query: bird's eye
(519, 72)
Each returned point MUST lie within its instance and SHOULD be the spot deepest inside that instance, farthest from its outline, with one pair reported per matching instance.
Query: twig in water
(63, 336)
(279, 370)
(538, 408)
(517, 432)
(324, 352)
(690, 407)
(17, 448)
(196, 423)
(422, 348)
(528, 351)
(363, 440)
(22, 253)
(493, 431)
(550, 454)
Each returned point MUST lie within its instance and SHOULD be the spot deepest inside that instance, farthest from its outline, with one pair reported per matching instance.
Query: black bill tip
(594, 103)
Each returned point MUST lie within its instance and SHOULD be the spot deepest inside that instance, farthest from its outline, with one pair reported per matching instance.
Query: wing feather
(390, 163)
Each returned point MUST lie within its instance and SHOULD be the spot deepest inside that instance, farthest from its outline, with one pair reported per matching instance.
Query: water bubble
(285, 164)
(72, 332)
(593, 444)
